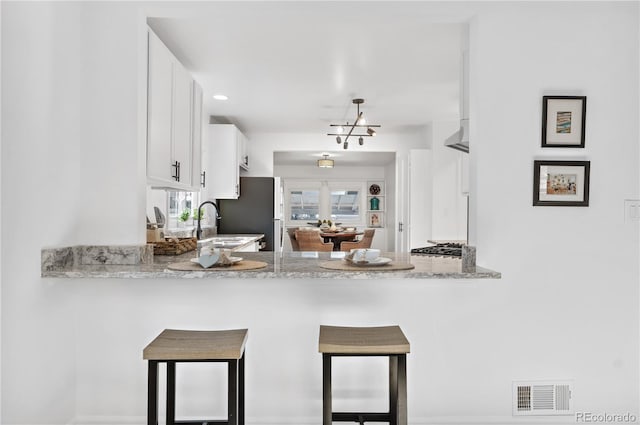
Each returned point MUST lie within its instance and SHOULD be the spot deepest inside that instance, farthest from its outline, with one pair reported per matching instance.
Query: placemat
(188, 266)
(343, 265)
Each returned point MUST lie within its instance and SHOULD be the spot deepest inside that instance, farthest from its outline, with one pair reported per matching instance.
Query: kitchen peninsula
(294, 265)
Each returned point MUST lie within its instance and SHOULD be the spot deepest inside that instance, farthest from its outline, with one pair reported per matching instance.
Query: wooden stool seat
(387, 341)
(177, 346)
(174, 344)
(371, 340)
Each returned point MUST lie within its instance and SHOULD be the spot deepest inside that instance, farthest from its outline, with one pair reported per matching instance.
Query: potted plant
(183, 217)
(198, 214)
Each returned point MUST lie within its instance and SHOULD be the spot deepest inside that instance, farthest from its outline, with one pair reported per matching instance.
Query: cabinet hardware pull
(176, 167)
(400, 226)
(203, 183)
(175, 171)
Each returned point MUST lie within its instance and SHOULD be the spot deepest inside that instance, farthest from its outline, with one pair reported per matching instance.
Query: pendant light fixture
(325, 162)
(359, 122)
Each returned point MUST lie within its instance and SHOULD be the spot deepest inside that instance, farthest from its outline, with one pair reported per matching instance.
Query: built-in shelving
(376, 203)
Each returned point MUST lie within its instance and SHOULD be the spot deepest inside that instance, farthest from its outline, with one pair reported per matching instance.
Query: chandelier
(359, 122)
(325, 162)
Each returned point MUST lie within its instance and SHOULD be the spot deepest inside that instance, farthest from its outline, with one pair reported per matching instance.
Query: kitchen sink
(229, 242)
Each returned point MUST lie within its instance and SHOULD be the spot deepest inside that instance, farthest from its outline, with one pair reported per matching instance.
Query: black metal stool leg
(393, 390)
(241, 391)
(152, 393)
(233, 393)
(171, 392)
(327, 413)
(402, 390)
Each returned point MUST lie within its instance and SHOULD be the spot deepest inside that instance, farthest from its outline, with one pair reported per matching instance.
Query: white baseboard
(449, 420)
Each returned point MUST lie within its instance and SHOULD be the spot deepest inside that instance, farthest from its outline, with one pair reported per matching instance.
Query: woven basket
(174, 246)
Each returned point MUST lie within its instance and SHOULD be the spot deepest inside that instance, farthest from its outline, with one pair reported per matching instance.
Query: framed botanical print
(563, 121)
(561, 183)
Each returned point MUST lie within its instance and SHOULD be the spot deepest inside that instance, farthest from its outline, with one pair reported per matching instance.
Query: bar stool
(387, 341)
(175, 346)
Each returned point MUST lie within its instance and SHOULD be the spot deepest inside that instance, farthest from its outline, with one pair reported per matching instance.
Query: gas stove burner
(448, 249)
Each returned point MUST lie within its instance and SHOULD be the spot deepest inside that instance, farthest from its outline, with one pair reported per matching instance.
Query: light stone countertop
(293, 265)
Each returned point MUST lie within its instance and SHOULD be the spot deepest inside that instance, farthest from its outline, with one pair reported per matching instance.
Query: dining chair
(365, 242)
(292, 237)
(310, 240)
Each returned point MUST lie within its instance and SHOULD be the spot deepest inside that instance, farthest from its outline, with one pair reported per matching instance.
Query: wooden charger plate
(188, 266)
(343, 265)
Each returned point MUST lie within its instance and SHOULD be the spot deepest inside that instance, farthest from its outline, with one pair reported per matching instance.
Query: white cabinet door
(182, 104)
(174, 115)
(223, 172)
(196, 135)
(159, 104)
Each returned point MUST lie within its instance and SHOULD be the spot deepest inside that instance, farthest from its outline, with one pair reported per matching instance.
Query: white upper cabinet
(159, 110)
(222, 159)
(182, 105)
(173, 150)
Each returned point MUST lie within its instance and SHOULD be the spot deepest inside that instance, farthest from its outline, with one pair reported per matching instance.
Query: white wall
(262, 146)
(338, 172)
(572, 315)
(0, 209)
(70, 175)
(565, 306)
(421, 203)
(449, 205)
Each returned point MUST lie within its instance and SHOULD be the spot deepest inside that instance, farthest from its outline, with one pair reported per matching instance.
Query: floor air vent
(542, 398)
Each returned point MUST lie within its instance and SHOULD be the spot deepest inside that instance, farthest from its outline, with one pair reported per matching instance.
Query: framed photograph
(375, 219)
(561, 183)
(563, 121)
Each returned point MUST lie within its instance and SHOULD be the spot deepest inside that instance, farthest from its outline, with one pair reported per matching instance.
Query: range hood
(460, 139)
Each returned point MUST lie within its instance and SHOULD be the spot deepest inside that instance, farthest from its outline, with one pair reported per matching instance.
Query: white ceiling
(296, 66)
(342, 158)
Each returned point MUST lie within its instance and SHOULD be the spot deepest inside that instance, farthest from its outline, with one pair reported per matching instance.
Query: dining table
(338, 237)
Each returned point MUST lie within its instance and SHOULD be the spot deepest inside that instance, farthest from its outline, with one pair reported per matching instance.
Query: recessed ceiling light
(220, 97)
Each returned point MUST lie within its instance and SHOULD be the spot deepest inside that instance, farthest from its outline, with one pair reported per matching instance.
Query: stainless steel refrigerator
(257, 210)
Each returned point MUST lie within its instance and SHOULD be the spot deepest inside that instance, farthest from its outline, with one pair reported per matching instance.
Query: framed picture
(375, 219)
(561, 183)
(563, 121)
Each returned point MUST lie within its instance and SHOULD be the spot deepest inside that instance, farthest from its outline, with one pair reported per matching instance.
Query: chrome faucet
(199, 230)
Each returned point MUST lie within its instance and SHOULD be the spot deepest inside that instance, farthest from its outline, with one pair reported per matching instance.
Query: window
(179, 203)
(308, 202)
(345, 205)
(304, 204)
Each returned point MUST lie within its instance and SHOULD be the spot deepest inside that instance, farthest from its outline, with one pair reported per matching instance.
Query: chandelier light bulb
(345, 145)
(361, 141)
(338, 139)
(371, 131)
(361, 120)
(340, 130)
